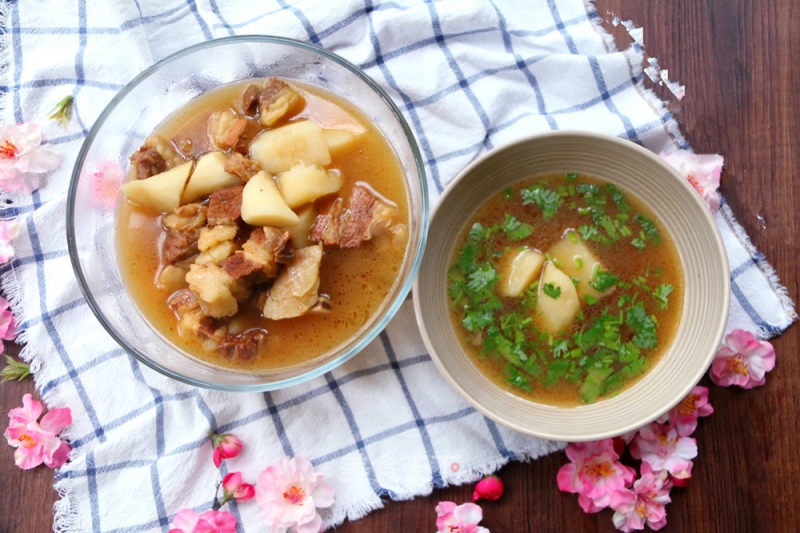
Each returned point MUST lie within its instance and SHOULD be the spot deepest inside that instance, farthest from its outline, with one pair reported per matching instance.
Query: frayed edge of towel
(65, 514)
(5, 54)
(766, 269)
(361, 508)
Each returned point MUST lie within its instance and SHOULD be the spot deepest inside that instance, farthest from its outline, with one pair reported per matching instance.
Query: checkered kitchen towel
(468, 76)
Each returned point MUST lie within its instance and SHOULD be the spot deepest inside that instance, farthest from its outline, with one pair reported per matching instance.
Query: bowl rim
(690, 384)
(369, 334)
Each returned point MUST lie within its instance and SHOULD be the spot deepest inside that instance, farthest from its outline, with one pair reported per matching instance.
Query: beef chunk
(147, 162)
(365, 217)
(244, 345)
(225, 129)
(267, 247)
(277, 100)
(242, 166)
(250, 100)
(182, 232)
(225, 205)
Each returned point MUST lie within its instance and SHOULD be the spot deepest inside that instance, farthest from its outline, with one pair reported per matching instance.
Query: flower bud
(489, 488)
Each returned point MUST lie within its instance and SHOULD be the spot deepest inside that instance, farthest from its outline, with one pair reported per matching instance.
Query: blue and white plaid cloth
(468, 76)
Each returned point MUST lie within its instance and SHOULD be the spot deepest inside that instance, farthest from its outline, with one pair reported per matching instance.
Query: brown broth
(624, 261)
(357, 280)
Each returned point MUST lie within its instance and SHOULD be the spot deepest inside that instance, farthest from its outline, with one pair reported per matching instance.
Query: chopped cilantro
(660, 294)
(508, 194)
(571, 176)
(638, 243)
(517, 378)
(589, 232)
(602, 280)
(549, 201)
(573, 238)
(552, 290)
(556, 370)
(515, 228)
(619, 198)
(575, 281)
(590, 300)
(578, 262)
(483, 277)
(642, 324)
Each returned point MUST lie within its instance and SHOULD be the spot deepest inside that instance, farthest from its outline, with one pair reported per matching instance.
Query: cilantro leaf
(515, 228)
(483, 277)
(517, 378)
(549, 201)
(556, 370)
(660, 294)
(642, 324)
(552, 290)
(619, 198)
(638, 242)
(649, 227)
(602, 280)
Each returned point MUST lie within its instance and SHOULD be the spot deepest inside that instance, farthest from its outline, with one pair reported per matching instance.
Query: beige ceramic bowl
(674, 202)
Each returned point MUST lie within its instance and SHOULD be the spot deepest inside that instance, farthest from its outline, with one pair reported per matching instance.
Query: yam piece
(554, 315)
(161, 192)
(208, 176)
(296, 289)
(577, 260)
(263, 205)
(302, 184)
(517, 269)
(339, 141)
(301, 231)
(280, 149)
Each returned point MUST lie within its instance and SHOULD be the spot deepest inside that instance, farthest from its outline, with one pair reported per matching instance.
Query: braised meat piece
(267, 247)
(216, 243)
(365, 217)
(242, 166)
(146, 162)
(295, 291)
(250, 100)
(225, 205)
(276, 101)
(218, 292)
(182, 232)
(225, 129)
(192, 322)
(244, 345)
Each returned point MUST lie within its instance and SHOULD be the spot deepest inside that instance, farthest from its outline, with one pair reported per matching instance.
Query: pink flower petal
(56, 419)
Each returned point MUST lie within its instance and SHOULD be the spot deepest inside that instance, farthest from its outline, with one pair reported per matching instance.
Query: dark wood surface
(739, 60)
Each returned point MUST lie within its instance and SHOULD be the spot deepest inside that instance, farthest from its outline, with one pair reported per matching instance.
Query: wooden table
(739, 60)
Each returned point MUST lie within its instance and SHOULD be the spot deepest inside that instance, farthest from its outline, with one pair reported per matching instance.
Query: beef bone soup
(262, 224)
(564, 289)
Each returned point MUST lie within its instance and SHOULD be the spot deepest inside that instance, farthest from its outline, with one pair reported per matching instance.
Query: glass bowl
(136, 111)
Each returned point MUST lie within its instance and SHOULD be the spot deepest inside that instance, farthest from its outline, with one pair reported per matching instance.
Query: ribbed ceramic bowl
(138, 109)
(674, 202)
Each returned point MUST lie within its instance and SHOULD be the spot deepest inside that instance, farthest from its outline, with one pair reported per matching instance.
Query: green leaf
(593, 386)
(556, 371)
(517, 378)
(552, 290)
(589, 299)
(516, 229)
(660, 294)
(602, 280)
(14, 370)
(508, 194)
(483, 277)
(62, 111)
(571, 176)
(619, 198)
(549, 201)
(642, 324)
(633, 369)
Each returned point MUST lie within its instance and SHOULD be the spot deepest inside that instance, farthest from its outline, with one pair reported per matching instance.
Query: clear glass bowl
(138, 108)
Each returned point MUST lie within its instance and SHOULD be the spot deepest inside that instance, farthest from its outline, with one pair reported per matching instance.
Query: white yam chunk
(339, 140)
(577, 260)
(302, 184)
(280, 149)
(554, 315)
(517, 270)
(263, 205)
(208, 176)
(162, 192)
(302, 229)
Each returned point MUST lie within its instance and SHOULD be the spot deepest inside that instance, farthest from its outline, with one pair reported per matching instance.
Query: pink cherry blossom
(289, 494)
(226, 446)
(37, 442)
(596, 475)
(742, 360)
(702, 171)
(489, 488)
(684, 415)
(464, 518)
(8, 323)
(661, 448)
(647, 506)
(235, 489)
(105, 181)
(9, 230)
(23, 161)
(188, 521)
